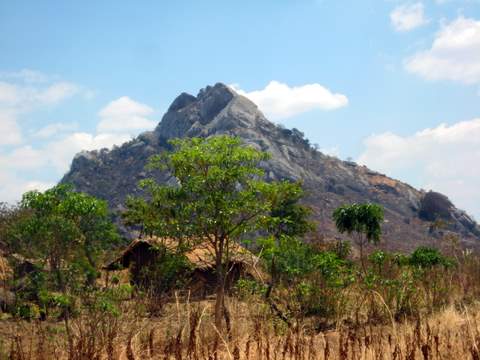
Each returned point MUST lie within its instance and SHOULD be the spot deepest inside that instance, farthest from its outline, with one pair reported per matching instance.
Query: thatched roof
(5, 269)
(201, 254)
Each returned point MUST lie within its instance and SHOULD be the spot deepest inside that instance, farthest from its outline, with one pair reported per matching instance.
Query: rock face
(328, 181)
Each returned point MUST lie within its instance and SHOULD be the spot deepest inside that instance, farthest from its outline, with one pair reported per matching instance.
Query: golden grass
(186, 331)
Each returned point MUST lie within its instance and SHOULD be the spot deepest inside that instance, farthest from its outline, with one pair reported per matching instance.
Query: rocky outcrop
(329, 182)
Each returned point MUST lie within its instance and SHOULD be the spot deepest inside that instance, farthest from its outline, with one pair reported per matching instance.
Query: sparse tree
(219, 196)
(362, 219)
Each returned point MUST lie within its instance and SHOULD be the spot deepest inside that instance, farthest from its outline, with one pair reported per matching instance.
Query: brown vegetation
(444, 323)
(186, 331)
(397, 312)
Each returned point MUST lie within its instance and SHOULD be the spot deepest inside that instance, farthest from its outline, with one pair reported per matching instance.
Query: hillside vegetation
(328, 182)
(309, 299)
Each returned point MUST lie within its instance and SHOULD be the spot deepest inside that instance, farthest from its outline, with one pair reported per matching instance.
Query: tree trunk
(220, 293)
(228, 321)
(219, 301)
(91, 276)
(273, 279)
(361, 243)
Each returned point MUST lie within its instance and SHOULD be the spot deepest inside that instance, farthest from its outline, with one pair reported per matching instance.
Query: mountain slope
(329, 182)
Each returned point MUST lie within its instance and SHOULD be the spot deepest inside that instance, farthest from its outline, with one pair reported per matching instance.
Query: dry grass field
(369, 321)
(186, 331)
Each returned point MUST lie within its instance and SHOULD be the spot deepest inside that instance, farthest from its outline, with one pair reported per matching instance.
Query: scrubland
(395, 314)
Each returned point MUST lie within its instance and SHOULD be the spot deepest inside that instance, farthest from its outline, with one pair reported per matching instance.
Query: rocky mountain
(328, 181)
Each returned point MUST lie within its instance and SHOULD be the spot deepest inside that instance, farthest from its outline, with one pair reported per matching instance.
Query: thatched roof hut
(5, 269)
(144, 252)
(6, 296)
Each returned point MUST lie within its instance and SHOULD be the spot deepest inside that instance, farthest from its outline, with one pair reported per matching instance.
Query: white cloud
(60, 142)
(24, 167)
(26, 97)
(61, 152)
(10, 133)
(125, 115)
(56, 92)
(408, 17)
(18, 98)
(23, 158)
(19, 167)
(13, 187)
(444, 159)
(58, 154)
(454, 54)
(12, 165)
(54, 129)
(9, 94)
(26, 75)
(279, 101)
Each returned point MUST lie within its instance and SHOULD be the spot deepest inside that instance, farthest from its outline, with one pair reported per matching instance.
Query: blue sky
(391, 84)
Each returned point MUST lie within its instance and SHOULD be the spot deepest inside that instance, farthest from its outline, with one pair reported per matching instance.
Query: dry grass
(186, 331)
(366, 324)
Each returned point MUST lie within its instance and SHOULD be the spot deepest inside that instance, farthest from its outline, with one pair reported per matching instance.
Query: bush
(311, 281)
(27, 311)
(426, 257)
(407, 284)
(244, 288)
(167, 271)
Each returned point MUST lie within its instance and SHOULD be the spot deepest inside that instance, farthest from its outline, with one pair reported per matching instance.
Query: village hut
(147, 253)
(7, 298)
(5, 269)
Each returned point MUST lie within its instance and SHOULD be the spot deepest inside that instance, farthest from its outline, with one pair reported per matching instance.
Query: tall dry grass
(186, 331)
(368, 321)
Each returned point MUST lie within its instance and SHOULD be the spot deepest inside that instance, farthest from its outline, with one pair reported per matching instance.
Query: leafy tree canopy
(218, 193)
(288, 217)
(363, 219)
(66, 230)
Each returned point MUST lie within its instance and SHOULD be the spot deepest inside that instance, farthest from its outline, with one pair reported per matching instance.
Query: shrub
(309, 280)
(168, 271)
(426, 257)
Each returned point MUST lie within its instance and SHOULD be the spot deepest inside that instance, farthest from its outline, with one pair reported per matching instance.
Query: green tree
(219, 196)
(66, 231)
(9, 215)
(362, 219)
(288, 221)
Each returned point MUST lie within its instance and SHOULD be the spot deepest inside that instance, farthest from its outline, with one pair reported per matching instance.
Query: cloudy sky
(392, 84)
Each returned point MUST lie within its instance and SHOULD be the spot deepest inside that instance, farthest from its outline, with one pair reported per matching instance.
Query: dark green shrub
(310, 280)
(166, 272)
(244, 288)
(27, 311)
(426, 257)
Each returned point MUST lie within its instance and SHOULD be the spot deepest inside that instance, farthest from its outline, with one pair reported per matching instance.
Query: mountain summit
(328, 181)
